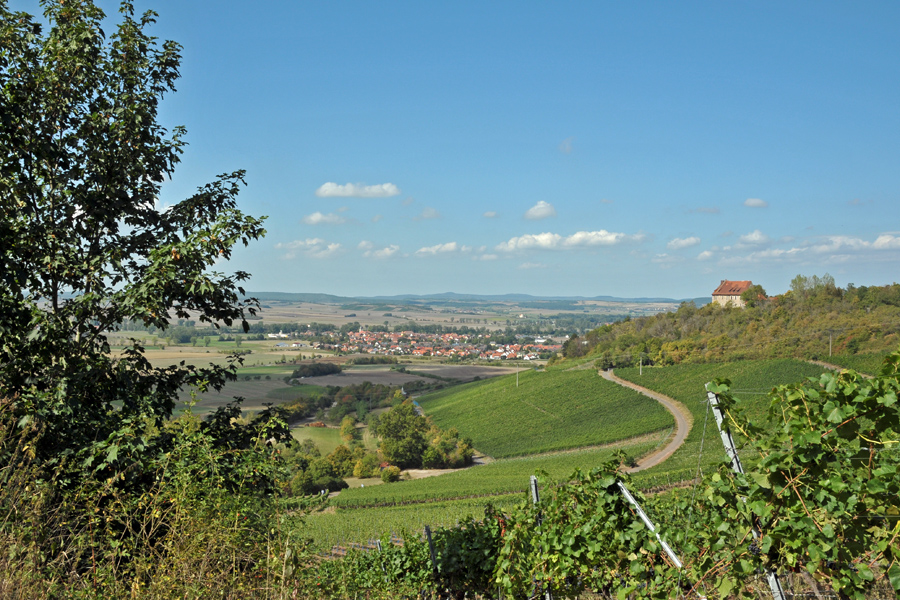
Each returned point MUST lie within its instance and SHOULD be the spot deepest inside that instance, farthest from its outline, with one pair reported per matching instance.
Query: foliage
(348, 429)
(85, 248)
(315, 369)
(552, 410)
(402, 431)
(802, 322)
(822, 493)
(504, 476)
(390, 474)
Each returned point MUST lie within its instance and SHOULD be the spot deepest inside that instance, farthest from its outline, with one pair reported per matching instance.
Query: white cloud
(755, 203)
(490, 215)
(705, 210)
(377, 218)
(565, 146)
(680, 243)
(357, 190)
(606, 201)
(369, 250)
(541, 210)
(886, 241)
(822, 250)
(318, 218)
(438, 249)
(600, 238)
(312, 247)
(386, 252)
(705, 255)
(530, 265)
(754, 238)
(551, 241)
(485, 257)
(543, 241)
(428, 213)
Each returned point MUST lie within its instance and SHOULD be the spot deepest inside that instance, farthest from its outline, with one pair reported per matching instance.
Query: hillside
(751, 381)
(547, 410)
(814, 319)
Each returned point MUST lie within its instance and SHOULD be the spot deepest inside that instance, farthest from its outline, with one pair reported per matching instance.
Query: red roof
(732, 288)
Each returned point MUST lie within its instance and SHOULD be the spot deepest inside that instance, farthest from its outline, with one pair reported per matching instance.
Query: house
(730, 292)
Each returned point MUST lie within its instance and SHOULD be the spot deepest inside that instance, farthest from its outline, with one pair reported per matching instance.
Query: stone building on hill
(730, 292)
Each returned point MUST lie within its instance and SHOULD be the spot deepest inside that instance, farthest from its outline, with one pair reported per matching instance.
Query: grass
(551, 410)
(326, 438)
(295, 392)
(498, 477)
(751, 382)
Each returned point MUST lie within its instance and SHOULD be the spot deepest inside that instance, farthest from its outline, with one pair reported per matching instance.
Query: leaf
(894, 576)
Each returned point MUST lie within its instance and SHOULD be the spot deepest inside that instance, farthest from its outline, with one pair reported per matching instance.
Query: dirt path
(683, 422)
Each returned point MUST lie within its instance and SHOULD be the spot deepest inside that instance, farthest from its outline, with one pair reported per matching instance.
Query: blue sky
(581, 148)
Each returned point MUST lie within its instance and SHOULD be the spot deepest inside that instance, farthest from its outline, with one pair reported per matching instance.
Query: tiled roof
(732, 288)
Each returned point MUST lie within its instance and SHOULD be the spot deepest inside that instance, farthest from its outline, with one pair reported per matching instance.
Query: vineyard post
(731, 451)
(431, 549)
(535, 499)
(649, 524)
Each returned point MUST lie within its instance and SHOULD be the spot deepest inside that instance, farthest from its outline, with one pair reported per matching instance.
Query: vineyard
(864, 363)
(751, 381)
(816, 512)
(546, 411)
(499, 477)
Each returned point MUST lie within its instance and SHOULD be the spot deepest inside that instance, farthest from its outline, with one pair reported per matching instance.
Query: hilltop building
(730, 291)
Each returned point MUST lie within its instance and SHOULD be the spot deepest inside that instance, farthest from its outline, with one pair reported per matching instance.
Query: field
(498, 477)
(870, 364)
(332, 527)
(751, 381)
(325, 438)
(549, 410)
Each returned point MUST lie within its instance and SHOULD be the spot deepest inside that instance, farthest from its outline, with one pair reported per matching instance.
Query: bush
(390, 474)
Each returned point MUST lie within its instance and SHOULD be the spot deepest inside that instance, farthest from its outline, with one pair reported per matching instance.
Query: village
(408, 343)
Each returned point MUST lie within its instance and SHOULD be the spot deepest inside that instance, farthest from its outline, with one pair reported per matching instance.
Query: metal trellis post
(731, 450)
(649, 523)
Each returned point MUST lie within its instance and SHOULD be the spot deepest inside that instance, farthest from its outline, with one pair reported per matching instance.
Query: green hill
(815, 319)
(751, 381)
(549, 410)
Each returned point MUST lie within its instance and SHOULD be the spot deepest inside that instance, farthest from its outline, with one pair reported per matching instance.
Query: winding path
(683, 422)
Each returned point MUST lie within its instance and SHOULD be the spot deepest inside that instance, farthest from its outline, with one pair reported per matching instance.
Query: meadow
(544, 411)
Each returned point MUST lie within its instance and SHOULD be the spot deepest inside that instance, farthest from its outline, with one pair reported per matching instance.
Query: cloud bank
(554, 241)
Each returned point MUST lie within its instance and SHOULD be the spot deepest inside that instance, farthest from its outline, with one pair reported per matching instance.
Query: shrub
(390, 474)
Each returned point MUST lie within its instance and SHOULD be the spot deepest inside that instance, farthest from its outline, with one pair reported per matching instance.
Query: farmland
(751, 381)
(547, 410)
(869, 364)
(498, 477)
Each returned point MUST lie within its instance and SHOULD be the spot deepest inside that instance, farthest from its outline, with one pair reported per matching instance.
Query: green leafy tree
(402, 432)
(86, 246)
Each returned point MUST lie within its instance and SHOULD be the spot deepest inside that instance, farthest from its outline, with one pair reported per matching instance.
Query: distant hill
(453, 296)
